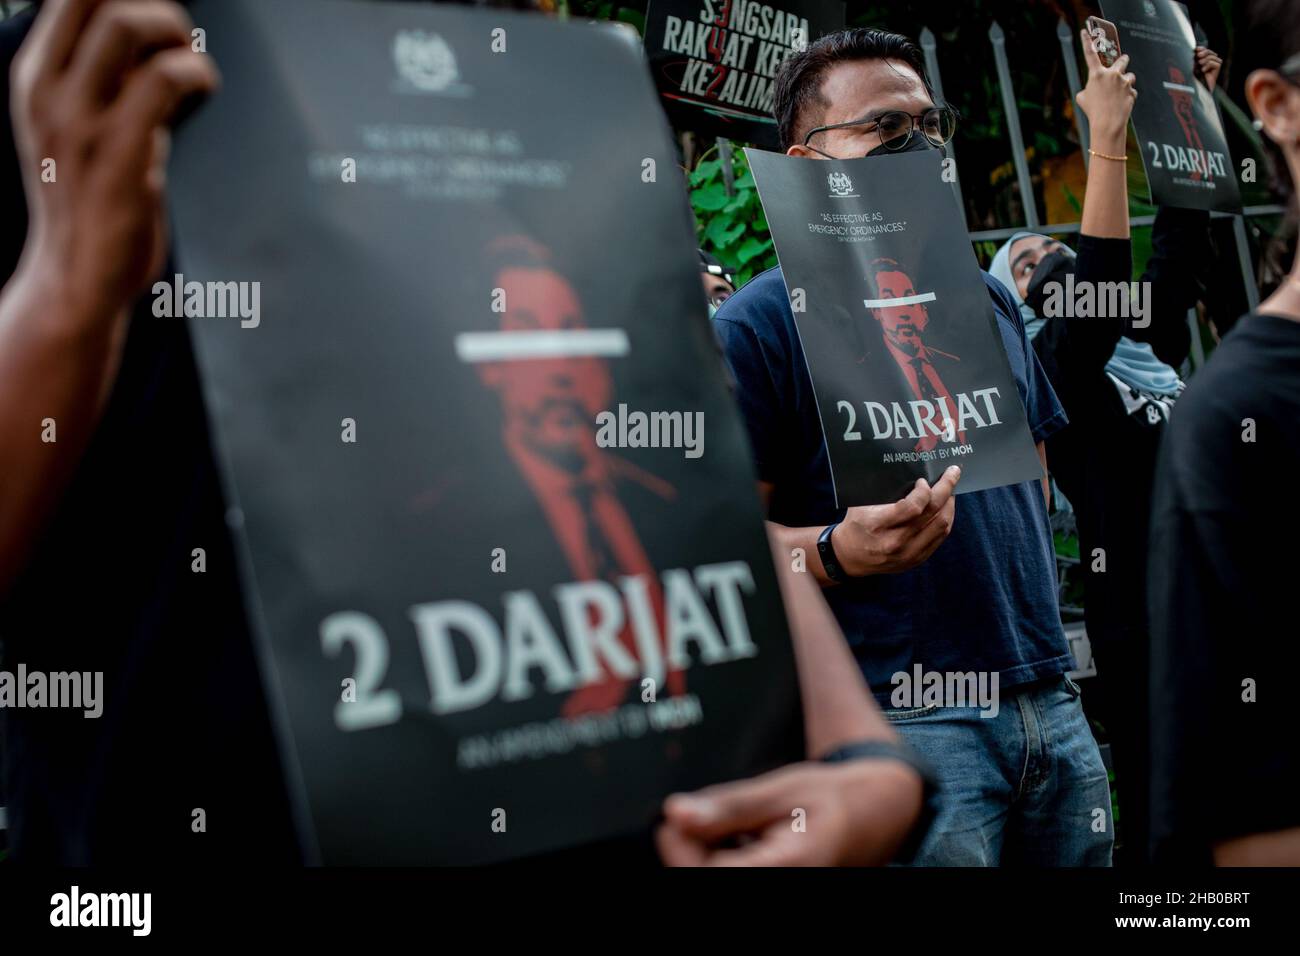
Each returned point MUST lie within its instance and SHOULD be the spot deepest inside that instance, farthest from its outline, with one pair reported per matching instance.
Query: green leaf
(751, 247)
(722, 232)
(737, 204)
(706, 170)
(710, 198)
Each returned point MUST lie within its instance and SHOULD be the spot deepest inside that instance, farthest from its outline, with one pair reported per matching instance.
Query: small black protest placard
(906, 357)
(1177, 124)
(715, 61)
(502, 541)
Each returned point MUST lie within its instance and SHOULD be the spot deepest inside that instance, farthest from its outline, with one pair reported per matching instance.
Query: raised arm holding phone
(1115, 369)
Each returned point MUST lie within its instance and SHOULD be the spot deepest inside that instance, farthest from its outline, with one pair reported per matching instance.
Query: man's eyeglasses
(895, 129)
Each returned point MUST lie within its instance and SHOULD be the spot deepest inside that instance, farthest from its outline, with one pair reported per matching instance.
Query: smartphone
(1105, 39)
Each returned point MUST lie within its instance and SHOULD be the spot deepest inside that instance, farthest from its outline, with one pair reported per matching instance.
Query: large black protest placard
(715, 61)
(906, 358)
(493, 496)
(1178, 128)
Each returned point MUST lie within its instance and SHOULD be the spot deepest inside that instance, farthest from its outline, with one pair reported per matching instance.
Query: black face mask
(917, 142)
(1052, 268)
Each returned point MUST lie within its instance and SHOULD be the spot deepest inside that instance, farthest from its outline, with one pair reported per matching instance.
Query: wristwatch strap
(897, 750)
(826, 550)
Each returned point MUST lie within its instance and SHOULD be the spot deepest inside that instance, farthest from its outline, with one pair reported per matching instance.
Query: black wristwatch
(892, 750)
(826, 551)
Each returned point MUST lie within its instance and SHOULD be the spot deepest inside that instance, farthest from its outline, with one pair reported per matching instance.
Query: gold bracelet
(1118, 159)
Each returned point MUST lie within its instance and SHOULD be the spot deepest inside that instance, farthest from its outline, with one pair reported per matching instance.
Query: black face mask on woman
(1053, 268)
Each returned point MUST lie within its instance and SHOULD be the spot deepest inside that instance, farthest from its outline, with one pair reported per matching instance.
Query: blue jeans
(1025, 787)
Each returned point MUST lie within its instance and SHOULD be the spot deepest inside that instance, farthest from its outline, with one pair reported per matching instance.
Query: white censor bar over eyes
(900, 300)
(475, 347)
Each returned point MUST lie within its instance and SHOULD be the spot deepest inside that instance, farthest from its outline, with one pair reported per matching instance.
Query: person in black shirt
(100, 528)
(1225, 764)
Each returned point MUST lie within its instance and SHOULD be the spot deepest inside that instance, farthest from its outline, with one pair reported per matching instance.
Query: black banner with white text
(715, 61)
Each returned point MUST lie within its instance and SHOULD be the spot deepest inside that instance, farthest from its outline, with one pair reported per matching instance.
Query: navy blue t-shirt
(986, 599)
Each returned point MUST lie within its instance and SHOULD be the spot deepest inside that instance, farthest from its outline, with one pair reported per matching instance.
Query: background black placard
(1174, 116)
(711, 94)
(368, 289)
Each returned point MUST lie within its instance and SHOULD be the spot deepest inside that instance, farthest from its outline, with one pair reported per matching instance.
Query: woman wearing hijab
(1117, 378)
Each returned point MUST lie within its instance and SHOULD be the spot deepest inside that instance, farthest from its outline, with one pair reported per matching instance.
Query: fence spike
(928, 48)
(1065, 34)
(1011, 107)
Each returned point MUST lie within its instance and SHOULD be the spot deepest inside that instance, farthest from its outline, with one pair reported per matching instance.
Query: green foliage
(1067, 545)
(731, 227)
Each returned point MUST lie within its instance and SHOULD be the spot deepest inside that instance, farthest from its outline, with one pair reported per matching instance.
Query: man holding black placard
(923, 582)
